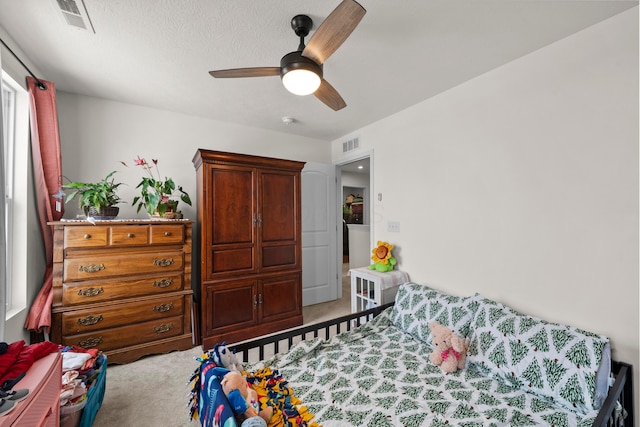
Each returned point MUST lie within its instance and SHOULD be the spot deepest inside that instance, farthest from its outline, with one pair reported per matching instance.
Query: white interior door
(319, 234)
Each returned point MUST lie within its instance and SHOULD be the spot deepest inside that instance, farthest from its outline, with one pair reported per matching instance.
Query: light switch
(393, 226)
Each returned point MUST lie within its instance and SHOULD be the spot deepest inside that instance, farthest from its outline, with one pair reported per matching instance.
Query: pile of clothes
(81, 369)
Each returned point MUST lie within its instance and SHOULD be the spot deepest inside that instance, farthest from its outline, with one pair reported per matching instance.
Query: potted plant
(97, 200)
(158, 196)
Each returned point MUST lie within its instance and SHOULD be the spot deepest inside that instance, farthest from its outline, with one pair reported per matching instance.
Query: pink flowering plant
(157, 194)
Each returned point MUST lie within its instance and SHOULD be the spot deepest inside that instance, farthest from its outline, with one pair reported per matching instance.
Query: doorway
(354, 240)
(325, 274)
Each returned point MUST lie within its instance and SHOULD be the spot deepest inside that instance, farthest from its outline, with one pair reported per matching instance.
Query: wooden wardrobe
(250, 245)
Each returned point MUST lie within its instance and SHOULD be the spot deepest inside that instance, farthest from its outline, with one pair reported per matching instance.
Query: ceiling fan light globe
(301, 82)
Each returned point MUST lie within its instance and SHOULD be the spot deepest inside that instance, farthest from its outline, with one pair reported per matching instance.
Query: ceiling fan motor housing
(295, 61)
(301, 25)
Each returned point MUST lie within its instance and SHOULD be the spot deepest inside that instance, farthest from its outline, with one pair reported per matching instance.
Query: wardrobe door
(232, 221)
(281, 298)
(279, 204)
(232, 306)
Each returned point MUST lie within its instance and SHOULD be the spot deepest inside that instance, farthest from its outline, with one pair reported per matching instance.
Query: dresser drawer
(95, 291)
(86, 237)
(99, 266)
(125, 235)
(166, 234)
(124, 336)
(96, 236)
(81, 321)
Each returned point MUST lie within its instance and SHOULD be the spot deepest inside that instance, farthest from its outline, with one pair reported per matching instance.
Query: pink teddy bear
(450, 350)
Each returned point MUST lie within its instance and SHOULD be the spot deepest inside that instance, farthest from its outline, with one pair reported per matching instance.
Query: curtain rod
(40, 85)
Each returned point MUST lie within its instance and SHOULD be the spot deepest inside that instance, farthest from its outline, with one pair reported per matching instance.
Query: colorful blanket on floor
(208, 403)
(273, 390)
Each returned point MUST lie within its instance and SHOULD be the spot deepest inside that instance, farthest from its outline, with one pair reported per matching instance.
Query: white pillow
(417, 305)
(552, 360)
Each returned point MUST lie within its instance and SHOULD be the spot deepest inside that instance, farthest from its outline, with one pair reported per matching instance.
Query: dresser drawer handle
(90, 342)
(162, 308)
(164, 262)
(167, 233)
(90, 320)
(131, 235)
(90, 292)
(163, 283)
(87, 236)
(91, 268)
(163, 328)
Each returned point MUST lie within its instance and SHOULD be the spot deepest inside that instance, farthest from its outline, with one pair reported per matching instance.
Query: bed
(372, 369)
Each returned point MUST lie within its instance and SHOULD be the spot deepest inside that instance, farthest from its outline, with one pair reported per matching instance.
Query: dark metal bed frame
(254, 350)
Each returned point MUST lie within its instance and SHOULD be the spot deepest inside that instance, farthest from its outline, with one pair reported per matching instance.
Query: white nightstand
(370, 288)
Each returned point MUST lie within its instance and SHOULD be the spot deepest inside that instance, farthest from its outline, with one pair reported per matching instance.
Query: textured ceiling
(157, 53)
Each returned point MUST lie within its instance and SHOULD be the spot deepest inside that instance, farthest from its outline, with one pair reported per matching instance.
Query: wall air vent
(74, 13)
(351, 144)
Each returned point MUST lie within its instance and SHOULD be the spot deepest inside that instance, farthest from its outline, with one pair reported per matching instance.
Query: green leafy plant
(157, 194)
(95, 194)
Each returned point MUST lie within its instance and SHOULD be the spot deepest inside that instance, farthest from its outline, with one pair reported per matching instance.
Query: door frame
(338, 164)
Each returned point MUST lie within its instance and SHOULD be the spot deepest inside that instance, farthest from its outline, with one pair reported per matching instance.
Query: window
(15, 154)
(8, 126)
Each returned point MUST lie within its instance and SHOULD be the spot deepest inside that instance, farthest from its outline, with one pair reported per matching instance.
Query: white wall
(522, 184)
(97, 134)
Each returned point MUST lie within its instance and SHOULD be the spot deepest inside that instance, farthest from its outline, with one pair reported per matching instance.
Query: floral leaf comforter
(378, 375)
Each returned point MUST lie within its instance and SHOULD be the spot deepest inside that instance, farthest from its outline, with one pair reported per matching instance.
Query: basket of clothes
(84, 373)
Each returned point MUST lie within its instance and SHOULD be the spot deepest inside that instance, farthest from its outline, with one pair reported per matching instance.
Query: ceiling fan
(301, 70)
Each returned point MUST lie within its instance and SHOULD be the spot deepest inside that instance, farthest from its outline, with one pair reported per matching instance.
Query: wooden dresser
(122, 286)
(42, 406)
(250, 240)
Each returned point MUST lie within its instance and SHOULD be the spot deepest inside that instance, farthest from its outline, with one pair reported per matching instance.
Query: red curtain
(47, 170)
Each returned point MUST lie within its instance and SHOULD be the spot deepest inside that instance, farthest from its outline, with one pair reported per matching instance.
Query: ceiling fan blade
(334, 31)
(246, 72)
(327, 94)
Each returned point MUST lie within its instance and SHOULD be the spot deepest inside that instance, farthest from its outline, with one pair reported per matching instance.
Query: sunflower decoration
(382, 259)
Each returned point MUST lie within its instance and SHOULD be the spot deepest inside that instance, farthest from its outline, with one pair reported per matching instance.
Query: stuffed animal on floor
(450, 350)
(226, 358)
(243, 399)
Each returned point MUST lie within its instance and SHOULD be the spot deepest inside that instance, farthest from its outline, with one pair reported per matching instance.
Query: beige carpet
(153, 391)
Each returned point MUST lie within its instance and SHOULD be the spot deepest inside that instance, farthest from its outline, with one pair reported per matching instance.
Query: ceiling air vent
(351, 144)
(74, 13)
